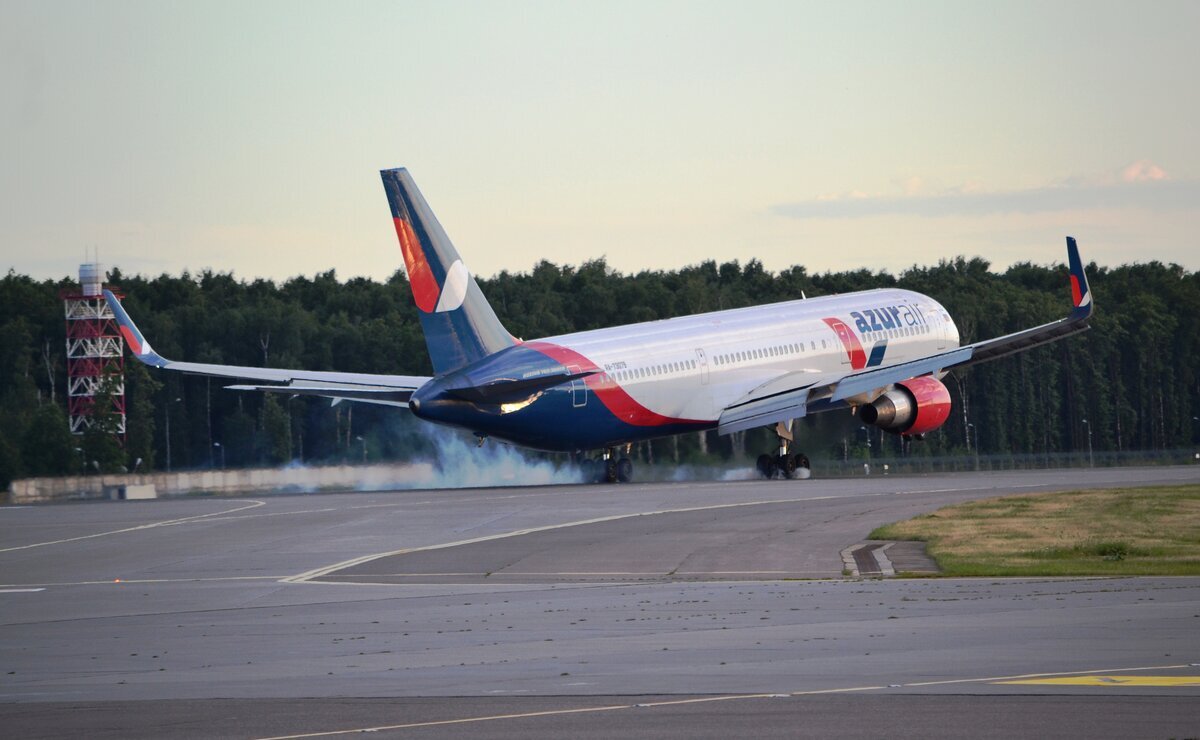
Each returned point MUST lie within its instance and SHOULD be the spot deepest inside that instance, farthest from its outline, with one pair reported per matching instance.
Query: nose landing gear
(783, 464)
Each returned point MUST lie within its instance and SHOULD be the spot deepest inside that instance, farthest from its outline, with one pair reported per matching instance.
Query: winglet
(1081, 294)
(137, 343)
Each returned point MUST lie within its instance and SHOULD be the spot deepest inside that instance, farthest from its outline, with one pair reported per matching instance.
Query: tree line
(1131, 382)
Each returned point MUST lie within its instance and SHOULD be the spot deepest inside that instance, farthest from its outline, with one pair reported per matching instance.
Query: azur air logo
(869, 320)
(882, 318)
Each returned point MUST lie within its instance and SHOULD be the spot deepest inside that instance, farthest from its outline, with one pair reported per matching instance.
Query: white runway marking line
(326, 570)
(152, 525)
(521, 715)
(523, 573)
(318, 572)
(20, 590)
(701, 700)
(123, 581)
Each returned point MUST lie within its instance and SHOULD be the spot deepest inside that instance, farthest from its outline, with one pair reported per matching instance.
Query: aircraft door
(702, 361)
(578, 388)
(843, 335)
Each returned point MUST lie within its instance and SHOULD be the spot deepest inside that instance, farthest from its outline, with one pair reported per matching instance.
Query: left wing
(388, 390)
(789, 396)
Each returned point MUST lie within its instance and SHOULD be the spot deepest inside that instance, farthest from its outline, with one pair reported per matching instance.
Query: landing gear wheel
(787, 466)
(803, 467)
(610, 471)
(766, 466)
(625, 470)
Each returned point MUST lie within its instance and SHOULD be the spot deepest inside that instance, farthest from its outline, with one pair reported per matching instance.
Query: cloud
(1143, 171)
(1142, 185)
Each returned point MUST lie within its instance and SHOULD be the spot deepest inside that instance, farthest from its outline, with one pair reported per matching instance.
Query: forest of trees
(1133, 377)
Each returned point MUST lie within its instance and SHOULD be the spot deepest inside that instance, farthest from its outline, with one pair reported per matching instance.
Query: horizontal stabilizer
(382, 396)
(510, 391)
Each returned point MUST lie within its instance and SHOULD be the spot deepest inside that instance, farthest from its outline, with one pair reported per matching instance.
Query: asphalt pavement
(668, 609)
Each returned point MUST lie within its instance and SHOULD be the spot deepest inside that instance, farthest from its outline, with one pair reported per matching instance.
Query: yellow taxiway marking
(152, 525)
(704, 700)
(1110, 681)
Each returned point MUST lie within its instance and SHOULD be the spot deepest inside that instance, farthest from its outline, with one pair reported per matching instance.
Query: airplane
(880, 353)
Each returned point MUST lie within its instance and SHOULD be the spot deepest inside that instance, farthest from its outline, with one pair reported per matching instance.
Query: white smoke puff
(460, 464)
(741, 474)
(390, 478)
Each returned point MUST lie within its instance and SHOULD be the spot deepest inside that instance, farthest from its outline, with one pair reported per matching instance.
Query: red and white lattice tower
(95, 354)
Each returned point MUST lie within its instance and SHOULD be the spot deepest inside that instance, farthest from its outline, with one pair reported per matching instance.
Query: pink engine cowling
(914, 406)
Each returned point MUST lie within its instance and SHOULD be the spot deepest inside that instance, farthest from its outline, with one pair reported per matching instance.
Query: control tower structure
(95, 355)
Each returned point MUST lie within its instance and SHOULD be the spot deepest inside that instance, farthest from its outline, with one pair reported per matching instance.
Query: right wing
(790, 396)
(387, 390)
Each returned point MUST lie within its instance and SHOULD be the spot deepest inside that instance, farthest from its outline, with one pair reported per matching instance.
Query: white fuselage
(693, 367)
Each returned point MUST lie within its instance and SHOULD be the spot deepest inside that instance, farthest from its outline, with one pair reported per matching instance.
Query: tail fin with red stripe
(460, 326)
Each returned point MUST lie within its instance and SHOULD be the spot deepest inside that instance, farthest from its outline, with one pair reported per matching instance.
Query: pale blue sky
(248, 136)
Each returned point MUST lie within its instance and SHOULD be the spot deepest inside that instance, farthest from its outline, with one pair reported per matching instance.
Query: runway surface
(522, 612)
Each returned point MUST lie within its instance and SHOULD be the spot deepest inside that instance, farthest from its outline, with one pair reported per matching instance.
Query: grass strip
(1122, 531)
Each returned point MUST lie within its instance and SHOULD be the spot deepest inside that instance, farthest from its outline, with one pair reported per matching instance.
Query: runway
(545, 611)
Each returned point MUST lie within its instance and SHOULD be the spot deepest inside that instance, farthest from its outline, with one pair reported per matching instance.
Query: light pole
(222, 449)
(867, 434)
(969, 428)
(167, 410)
(1091, 460)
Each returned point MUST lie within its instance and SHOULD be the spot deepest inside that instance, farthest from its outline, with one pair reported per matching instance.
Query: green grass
(1126, 531)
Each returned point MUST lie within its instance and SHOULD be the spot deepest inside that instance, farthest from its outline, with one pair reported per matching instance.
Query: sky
(247, 137)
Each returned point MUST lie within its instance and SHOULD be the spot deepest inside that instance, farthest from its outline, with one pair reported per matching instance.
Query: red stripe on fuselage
(614, 397)
(424, 288)
(858, 358)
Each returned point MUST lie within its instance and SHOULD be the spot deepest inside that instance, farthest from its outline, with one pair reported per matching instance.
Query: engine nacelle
(913, 407)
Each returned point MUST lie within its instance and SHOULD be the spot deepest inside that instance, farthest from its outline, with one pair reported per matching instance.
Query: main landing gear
(608, 468)
(783, 464)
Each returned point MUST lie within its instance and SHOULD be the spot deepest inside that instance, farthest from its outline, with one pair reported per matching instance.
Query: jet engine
(913, 407)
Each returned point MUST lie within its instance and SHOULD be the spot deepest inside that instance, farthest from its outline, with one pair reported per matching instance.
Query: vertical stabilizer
(460, 327)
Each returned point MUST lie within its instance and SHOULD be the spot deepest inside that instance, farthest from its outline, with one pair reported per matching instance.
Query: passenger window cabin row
(751, 355)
